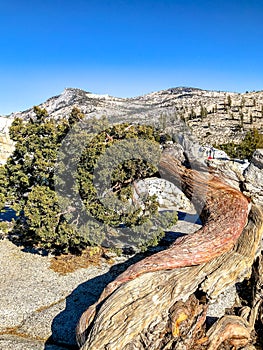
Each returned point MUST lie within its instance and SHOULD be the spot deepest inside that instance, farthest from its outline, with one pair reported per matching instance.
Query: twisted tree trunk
(148, 306)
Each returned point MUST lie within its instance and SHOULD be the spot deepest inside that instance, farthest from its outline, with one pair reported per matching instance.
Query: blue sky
(127, 48)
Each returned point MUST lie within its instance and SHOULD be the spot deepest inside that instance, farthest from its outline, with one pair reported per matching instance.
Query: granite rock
(168, 195)
(254, 177)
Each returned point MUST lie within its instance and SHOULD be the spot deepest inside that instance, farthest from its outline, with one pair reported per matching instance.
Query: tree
(251, 142)
(215, 108)
(162, 283)
(3, 186)
(243, 101)
(48, 214)
(32, 162)
(30, 179)
(229, 101)
(203, 112)
(109, 154)
(241, 116)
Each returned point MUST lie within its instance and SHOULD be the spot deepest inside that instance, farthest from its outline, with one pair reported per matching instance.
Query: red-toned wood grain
(224, 211)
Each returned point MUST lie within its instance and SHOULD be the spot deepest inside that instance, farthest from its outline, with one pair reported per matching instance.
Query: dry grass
(91, 256)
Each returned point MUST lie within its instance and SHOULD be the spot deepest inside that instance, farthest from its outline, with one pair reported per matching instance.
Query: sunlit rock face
(6, 145)
(218, 123)
(254, 177)
(168, 195)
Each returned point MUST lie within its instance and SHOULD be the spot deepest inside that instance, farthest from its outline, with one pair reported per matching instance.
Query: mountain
(212, 116)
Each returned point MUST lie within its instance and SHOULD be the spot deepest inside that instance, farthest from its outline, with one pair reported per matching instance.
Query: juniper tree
(30, 176)
(119, 169)
(32, 180)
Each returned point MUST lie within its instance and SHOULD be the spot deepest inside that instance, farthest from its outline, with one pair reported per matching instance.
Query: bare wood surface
(134, 311)
(233, 330)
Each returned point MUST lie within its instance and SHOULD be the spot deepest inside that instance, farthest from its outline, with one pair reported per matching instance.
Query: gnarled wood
(233, 330)
(133, 311)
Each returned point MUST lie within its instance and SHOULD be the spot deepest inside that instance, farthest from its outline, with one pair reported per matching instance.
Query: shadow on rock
(87, 293)
(8, 214)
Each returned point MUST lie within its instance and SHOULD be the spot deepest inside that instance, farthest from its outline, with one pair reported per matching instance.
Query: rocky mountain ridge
(212, 116)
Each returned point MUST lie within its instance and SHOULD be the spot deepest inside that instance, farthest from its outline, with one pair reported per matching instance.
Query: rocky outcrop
(6, 144)
(231, 171)
(168, 195)
(167, 108)
(254, 177)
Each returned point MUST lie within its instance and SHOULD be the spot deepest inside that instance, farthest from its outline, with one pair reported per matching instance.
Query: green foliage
(123, 175)
(32, 162)
(109, 155)
(246, 147)
(42, 214)
(4, 228)
(30, 179)
(3, 186)
(52, 220)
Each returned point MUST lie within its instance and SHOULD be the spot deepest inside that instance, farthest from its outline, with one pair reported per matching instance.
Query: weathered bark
(140, 310)
(231, 329)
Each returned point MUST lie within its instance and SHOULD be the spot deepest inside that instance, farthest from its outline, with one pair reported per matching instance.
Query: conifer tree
(203, 112)
(31, 180)
(229, 101)
(30, 177)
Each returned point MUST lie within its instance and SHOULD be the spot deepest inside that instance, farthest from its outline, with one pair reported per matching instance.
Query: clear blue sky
(127, 48)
